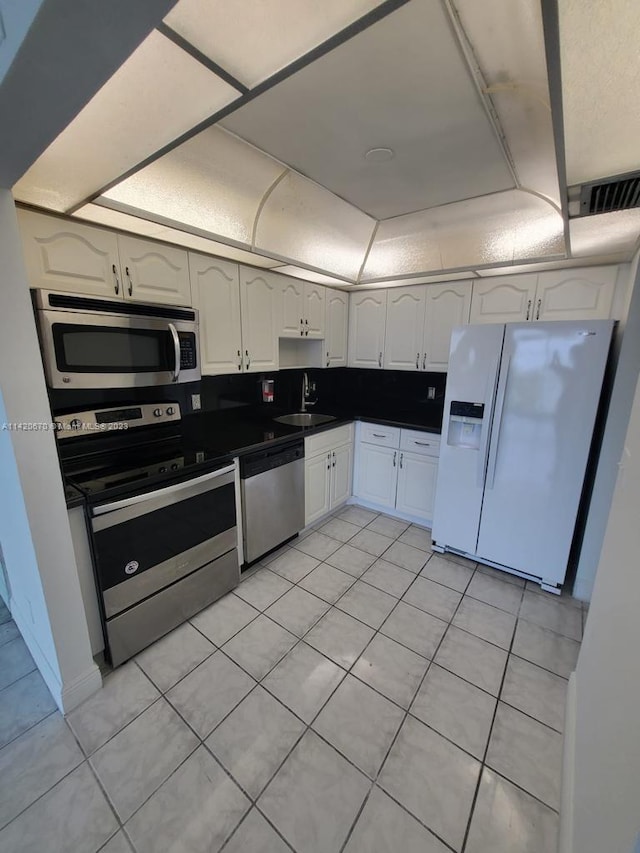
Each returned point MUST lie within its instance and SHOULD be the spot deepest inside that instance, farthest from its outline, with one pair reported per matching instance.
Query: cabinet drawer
(328, 439)
(415, 441)
(385, 436)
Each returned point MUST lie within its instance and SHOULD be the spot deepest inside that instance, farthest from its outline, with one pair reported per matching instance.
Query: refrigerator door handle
(493, 451)
(489, 396)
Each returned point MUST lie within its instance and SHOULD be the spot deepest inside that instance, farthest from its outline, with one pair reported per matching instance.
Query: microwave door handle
(176, 350)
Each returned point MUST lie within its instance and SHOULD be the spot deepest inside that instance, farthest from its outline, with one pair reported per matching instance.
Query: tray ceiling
(244, 128)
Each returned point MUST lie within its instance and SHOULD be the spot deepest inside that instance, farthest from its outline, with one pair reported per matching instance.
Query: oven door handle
(168, 491)
(176, 351)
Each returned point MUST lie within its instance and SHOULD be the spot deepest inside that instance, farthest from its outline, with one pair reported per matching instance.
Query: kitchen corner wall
(41, 572)
(393, 394)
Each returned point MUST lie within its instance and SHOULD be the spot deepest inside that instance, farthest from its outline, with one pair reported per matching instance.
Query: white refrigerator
(519, 414)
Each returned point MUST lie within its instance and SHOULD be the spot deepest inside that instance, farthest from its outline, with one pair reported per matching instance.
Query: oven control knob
(157, 413)
(161, 469)
(171, 410)
(174, 467)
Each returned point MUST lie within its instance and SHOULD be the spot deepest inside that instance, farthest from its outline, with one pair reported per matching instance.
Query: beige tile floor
(357, 693)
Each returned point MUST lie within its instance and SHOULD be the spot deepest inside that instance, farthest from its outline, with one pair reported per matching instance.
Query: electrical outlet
(431, 392)
(196, 404)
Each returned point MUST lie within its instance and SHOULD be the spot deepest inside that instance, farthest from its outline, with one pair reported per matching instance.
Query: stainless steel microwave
(88, 342)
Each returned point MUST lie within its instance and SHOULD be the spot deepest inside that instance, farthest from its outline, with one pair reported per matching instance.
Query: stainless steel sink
(304, 419)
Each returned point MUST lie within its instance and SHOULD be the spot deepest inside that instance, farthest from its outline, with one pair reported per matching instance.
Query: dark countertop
(242, 431)
(236, 432)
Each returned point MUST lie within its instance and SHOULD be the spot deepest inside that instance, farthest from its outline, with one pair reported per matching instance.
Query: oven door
(162, 556)
(86, 350)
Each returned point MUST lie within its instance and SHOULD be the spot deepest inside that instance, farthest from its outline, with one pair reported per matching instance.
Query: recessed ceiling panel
(159, 93)
(214, 183)
(606, 233)
(402, 84)
(424, 279)
(306, 223)
(253, 39)
(493, 229)
(134, 224)
(507, 39)
(600, 87)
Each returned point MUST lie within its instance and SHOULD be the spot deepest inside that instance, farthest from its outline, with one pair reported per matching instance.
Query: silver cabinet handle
(328, 461)
(334, 459)
(176, 351)
(115, 275)
(328, 360)
(128, 274)
(380, 359)
(417, 361)
(528, 309)
(401, 455)
(422, 443)
(395, 454)
(306, 331)
(301, 327)
(239, 360)
(538, 309)
(378, 435)
(424, 361)
(246, 352)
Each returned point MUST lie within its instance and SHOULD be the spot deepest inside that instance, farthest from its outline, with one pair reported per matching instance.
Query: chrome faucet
(307, 389)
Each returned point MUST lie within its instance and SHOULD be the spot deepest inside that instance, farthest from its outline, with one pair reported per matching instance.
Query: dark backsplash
(393, 394)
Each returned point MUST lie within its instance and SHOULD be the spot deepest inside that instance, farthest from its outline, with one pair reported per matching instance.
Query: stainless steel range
(161, 516)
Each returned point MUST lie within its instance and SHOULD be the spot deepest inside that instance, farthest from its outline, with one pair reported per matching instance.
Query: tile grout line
(483, 763)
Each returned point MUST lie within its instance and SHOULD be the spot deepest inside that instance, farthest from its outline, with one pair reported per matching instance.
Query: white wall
(45, 598)
(627, 371)
(601, 812)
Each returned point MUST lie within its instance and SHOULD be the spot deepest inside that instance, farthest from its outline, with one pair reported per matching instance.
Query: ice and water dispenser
(465, 424)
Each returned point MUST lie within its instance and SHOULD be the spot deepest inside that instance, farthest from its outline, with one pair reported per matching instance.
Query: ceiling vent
(605, 196)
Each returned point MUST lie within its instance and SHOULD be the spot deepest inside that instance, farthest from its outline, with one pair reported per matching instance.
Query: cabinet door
(417, 477)
(215, 288)
(317, 477)
(153, 272)
(258, 301)
(291, 313)
(336, 328)
(404, 328)
(314, 303)
(575, 294)
(63, 255)
(377, 474)
(447, 305)
(367, 315)
(508, 299)
(341, 475)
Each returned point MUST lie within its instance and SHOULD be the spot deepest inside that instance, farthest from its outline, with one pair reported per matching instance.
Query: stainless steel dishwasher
(272, 484)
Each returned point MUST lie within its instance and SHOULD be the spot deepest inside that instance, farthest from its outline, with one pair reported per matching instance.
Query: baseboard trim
(81, 688)
(66, 696)
(565, 841)
(391, 511)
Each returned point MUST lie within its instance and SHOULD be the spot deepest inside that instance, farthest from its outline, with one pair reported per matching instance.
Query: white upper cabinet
(404, 336)
(314, 307)
(153, 272)
(447, 305)
(575, 294)
(291, 324)
(367, 317)
(259, 292)
(336, 327)
(507, 299)
(64, 255)
(301, 309)
(215, 286)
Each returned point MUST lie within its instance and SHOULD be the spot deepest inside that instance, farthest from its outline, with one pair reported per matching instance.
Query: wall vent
(609, 194)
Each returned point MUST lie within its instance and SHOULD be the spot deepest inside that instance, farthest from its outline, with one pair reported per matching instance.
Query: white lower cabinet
(397, 469)
(328, 471)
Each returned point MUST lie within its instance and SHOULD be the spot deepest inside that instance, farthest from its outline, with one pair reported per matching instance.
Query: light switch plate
(196, 404)
(431, 392)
